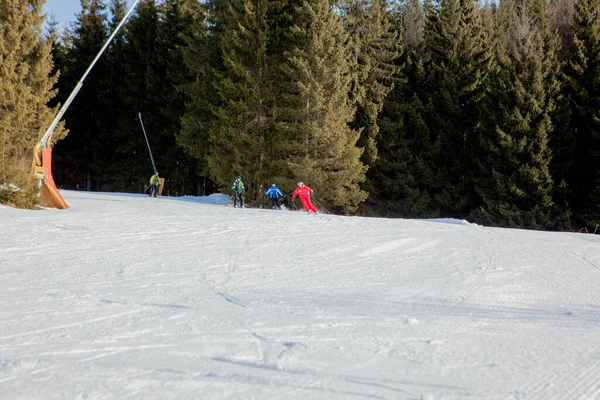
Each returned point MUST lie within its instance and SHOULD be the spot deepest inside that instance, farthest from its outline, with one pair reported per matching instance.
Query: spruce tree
(179, 22)
(322, 146)
(201, 56)
(26, 88)
(111, 138)
(404, 175)
(61, 41)
(241, 135)
(576, 165)
(375, 47)
(141, 94)
(459, 56)
(515, 183)
(75, 165)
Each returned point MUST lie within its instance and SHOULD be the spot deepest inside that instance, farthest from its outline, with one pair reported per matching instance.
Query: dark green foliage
(577, 141)
(75, 156)
(112, 165)
(435, 120)
(141, 71)
(241, 133)
(514, 180)
(431, 121)
(375, 47)
(459, 64)
(201, 57)
(247, 113)
(401, 177)
(142, 95)
(404, 175)
(181, 20)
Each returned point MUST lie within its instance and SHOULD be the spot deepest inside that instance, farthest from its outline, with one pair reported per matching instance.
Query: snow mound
(450, 221)
(215, 198)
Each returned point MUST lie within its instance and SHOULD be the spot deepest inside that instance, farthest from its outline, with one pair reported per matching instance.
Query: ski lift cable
(148, 143)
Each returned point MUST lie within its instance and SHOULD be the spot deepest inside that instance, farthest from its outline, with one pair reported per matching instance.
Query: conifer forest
(484, 111)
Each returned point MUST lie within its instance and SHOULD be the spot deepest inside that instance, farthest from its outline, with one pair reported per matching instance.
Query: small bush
(26, 198)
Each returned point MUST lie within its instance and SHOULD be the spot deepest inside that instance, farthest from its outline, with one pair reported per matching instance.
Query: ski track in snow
(124, 296)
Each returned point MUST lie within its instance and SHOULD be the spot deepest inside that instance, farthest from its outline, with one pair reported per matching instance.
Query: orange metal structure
(42, 152)
(42, 173)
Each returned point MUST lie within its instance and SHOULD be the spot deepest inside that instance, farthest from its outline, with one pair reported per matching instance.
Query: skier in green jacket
(238, 192)
(154, 185)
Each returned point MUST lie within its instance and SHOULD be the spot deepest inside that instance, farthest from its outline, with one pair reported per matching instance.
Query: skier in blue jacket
(274, 193)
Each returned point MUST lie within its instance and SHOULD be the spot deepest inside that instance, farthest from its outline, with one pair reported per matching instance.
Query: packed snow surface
(131, 297)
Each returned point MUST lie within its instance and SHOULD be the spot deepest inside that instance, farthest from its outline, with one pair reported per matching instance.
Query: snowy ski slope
(129, 297)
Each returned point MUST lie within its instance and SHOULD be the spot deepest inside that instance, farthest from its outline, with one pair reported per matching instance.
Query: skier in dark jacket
(238, 192)
(274, 193)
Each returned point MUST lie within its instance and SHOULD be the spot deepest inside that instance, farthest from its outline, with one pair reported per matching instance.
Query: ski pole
(320, 205)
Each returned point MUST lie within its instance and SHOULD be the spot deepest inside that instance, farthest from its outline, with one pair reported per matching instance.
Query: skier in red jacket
(305, 192)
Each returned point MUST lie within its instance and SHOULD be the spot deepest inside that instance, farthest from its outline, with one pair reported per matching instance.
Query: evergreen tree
(404, 174)
(26, 88)
(202, 57)
(61, 45)
(577, 141)
(242, 136)
(112, 137)
(76, 155)
(61, 42)
(458, 65)
(141, 94)
(374, 47)
(322, 146)
(515, 183)
(179, 22)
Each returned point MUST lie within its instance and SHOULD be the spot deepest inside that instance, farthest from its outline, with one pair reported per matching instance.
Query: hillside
(125, 296)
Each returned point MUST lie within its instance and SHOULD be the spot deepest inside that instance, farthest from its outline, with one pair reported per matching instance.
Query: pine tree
(459, 55)
(26, 87)
(404, 175)
(179, 22)
(111, 137)
(141, 94)
(322, 146)
(201, 56)
(242, 135)
(515, 183)
(75, 165)
(61, 41)
(375, 47)
(576, 143)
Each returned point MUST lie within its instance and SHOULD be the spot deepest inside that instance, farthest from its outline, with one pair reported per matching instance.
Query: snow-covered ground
(130, 297)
